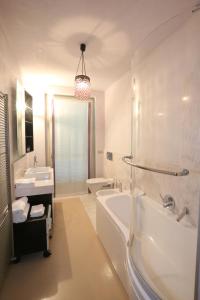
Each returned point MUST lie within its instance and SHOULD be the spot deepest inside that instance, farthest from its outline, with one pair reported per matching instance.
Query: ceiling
(45, 35)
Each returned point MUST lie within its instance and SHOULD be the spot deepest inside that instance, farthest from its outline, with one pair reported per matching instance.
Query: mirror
(22, 122)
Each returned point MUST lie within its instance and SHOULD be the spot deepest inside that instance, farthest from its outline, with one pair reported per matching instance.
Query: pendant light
(82, 81)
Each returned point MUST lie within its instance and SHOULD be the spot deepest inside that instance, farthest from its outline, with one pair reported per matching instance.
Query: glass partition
(165, 135)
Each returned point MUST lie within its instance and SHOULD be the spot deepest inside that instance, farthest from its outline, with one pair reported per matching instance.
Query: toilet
(96, 184)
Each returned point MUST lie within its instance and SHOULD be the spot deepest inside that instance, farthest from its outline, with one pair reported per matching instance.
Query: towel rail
(126, 159)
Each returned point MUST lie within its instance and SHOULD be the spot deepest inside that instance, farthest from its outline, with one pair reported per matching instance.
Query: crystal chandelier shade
(82, 81)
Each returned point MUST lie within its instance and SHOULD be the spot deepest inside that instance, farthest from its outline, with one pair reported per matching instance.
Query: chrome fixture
(184, 212)
(196, 8)
(184, 172)
(107, 186)
(120, 187)
(168, 201)
(115, 182)
(35, 161)
(82, 81)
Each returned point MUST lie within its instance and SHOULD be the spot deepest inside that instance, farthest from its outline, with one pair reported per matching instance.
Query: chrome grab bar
(184, 172)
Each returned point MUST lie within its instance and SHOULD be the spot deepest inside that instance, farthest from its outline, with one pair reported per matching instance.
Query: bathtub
(154, 267)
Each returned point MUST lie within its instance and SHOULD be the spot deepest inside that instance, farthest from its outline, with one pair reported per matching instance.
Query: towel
(21, 217)
(18, 206)
(37, 210)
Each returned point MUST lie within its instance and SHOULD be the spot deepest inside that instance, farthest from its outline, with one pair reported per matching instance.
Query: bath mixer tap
(184, 212)
(118, 185)
(168, 201)
(35, 161)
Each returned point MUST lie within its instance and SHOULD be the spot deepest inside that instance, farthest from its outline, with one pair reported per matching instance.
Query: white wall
(118, 127)
(9, 73)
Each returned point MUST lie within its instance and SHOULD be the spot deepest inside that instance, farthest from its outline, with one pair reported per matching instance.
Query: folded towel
(18, 206)
(19, 218)
(37, 210)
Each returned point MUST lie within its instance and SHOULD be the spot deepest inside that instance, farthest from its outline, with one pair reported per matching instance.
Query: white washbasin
(107, 192)
(39, 169)
(39, 173)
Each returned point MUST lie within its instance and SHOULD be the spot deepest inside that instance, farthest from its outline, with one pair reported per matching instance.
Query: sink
(39, 169)
(107, 192)
(39, 173)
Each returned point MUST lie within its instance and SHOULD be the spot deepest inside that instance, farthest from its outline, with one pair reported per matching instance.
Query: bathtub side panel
(113, 242)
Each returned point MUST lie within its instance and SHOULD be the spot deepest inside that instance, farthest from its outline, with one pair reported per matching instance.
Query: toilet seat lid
(99, 180)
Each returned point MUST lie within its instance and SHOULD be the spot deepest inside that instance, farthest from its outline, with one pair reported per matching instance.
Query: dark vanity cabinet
(33, 234)
(29, 122)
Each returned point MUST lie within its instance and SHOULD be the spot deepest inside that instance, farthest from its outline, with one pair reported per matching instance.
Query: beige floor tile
(78, 269)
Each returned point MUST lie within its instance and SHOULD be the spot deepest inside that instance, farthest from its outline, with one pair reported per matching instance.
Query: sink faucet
(120, 186)
(35, 161)
(168, 201)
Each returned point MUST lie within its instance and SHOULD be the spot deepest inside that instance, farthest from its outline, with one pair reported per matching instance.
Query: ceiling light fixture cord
(78, 64)
(84, 64)
(82, 61)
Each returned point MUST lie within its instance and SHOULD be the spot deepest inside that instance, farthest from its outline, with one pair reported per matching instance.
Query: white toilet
(96, 184)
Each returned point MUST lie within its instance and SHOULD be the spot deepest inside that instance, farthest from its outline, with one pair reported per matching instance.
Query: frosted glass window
(71, 145)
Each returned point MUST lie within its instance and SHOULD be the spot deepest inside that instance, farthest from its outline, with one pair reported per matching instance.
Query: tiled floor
(78, 269)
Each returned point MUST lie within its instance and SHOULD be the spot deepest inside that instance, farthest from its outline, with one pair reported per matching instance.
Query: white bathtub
(164, 250)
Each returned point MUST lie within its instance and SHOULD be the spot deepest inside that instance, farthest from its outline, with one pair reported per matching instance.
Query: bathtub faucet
(168, 201)
(35, 161)
(184, 212)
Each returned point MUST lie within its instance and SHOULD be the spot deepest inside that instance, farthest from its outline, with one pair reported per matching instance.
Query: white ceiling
(45, 35)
